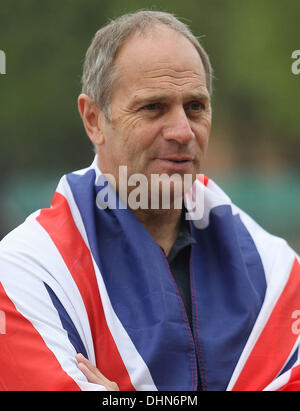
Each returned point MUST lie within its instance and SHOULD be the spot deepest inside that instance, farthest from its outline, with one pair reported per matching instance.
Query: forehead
(159, 58)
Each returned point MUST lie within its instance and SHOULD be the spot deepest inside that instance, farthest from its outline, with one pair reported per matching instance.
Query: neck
(163, 225)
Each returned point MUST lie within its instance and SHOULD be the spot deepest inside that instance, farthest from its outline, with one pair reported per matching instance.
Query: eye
(152, 107)
(195, 106)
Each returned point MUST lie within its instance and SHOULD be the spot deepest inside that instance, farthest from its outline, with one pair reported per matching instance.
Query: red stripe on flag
(203, 179)
(276, 341)
(27, 364)
(294, 380)
(58, 222)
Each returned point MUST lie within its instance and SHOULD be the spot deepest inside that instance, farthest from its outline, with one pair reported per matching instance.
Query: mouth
(177, 158)
(176, 163)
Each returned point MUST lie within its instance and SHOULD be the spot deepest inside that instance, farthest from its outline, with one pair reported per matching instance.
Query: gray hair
(99, 71)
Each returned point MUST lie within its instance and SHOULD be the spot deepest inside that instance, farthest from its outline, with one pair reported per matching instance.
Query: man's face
(160, 108)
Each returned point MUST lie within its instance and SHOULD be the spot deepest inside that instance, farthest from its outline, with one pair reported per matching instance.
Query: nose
(178, 128)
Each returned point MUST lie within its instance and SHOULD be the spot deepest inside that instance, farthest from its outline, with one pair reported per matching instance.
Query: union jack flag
(77, 278)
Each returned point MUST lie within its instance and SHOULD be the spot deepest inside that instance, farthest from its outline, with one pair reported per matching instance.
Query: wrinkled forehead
(158, 54)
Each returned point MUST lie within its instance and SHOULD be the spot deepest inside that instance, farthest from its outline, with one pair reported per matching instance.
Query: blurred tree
(250, 42)
(45, 43)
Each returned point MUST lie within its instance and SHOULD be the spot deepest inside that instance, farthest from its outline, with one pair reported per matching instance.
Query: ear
(93, 119)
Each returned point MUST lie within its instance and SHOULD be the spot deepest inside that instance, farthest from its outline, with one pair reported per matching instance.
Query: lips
(176, 163)
(177, 159)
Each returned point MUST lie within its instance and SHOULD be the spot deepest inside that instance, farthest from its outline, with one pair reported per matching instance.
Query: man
(107, 291)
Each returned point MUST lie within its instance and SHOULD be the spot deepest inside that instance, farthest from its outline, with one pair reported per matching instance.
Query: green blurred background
(255, 141)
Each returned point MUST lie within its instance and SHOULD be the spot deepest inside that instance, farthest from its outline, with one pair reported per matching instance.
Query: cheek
(141, 139)
(135, 139)
(202, 141)
(203, 133)
(130, 148)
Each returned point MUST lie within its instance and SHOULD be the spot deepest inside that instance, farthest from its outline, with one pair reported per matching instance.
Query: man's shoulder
(22, 243)
(270, 246)
(19, 232)
(28, 253)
